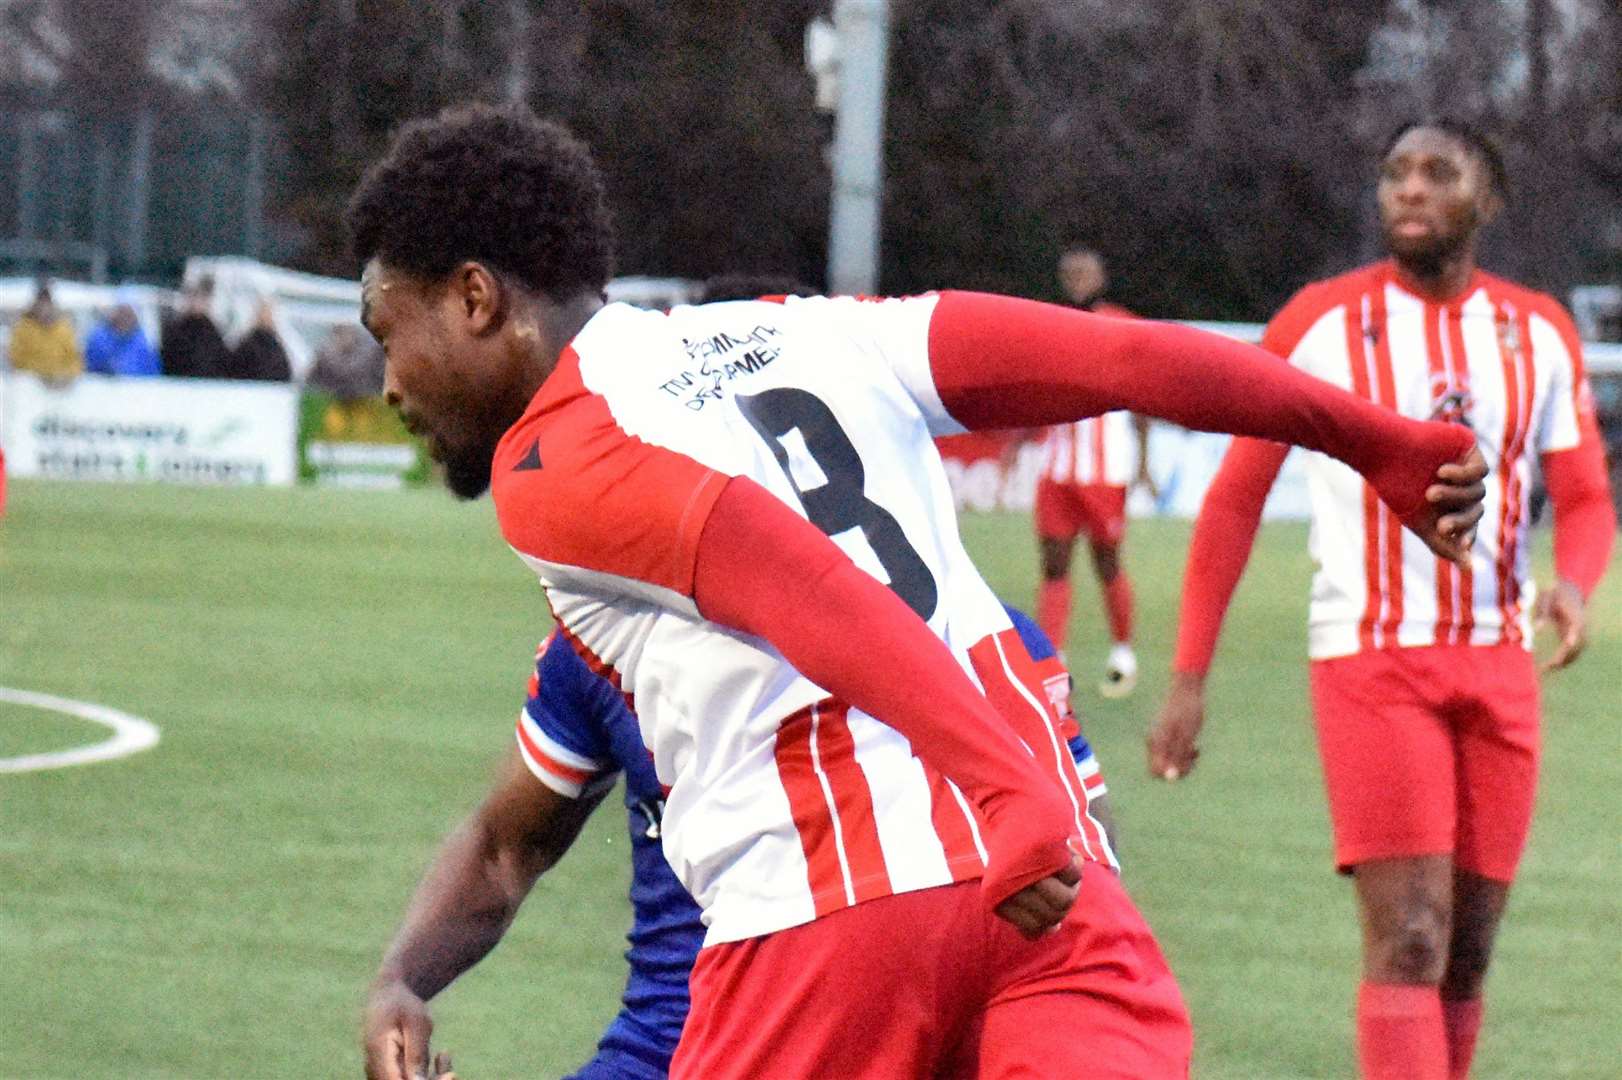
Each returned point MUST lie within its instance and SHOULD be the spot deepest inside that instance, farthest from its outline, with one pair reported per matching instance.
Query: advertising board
(162, 430)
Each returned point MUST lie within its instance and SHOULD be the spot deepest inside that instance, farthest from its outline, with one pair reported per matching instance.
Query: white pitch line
(131, 734)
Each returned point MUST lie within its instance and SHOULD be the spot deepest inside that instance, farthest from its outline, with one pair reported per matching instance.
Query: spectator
(349, 365)
(42, 341)
(259, 355)
(192, 346)
(118, 346)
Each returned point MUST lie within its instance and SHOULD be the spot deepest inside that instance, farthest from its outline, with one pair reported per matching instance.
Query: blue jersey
(583, 713)
(577, 735)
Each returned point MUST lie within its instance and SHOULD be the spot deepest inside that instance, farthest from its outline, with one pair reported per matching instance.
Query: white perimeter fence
(199, 431)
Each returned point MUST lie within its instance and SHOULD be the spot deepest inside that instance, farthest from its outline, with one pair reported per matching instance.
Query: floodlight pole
(858, 151)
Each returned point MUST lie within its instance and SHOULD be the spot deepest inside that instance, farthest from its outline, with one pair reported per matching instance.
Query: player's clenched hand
(1173, 741)
(1563, 608)
(396, 1033)
(1042, 905)
(1029, 836)
(1455, 499)
(1432, 480)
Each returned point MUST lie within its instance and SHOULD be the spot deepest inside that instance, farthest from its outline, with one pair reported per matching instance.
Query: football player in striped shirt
(1087, 467)
(739, 518)
(575, 736)
(1424, 688)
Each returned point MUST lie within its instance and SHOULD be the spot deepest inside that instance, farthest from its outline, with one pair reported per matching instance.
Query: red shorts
(1430, 751)
(931, 984)
(1065, 510)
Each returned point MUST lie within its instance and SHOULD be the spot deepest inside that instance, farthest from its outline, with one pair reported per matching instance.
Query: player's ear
(480, 298)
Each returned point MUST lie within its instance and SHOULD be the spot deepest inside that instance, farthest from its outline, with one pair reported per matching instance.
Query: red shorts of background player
(1430, 751)
(1065, 510)
(931, 984)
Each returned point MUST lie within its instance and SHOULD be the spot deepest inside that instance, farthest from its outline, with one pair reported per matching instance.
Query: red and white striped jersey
(1501, 358)
(783, 803)
(1097, 450)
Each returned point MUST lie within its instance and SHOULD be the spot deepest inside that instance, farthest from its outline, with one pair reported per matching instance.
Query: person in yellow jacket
(43, 342)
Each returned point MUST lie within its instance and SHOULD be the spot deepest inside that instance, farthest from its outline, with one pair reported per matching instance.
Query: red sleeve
(800, 593)
(571, 487)
(1223, 535)
(1001, 362)
(1577, 478)
(1584, 515)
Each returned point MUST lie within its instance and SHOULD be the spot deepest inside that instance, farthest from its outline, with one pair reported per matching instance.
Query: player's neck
(1439, 280)
(555, 323)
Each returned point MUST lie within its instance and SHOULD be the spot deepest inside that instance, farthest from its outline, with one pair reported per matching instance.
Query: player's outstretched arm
(1000, 362)
(1224, 534)
(849, 634)
(464, 904)
(1584, 532)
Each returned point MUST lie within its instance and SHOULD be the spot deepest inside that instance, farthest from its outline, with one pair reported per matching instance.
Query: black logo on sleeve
(531, 461)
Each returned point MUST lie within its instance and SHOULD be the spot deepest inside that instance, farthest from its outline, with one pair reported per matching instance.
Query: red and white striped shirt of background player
(1500, 357)
(783, 804)
(1096, 451)
(1099, 450)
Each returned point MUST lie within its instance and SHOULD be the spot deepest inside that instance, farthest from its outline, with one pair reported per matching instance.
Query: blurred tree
(1219, 152)
(131, 134)
(1187, 139)
(335, 76)
(698, 110)
(701, 114)
(98, 55)
(1544, 77)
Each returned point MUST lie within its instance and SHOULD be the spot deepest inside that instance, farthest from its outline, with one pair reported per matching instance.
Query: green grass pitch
(334, 675)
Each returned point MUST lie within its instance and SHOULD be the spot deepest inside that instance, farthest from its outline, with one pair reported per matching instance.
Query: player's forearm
(1216, 562)
(1001, 362)
(462, 908)
(849, 634)
(853, 637)
(1584, 514)
(1224, 534)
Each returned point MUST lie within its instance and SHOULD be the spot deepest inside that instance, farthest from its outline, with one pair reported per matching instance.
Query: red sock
(1399, 1032)
(1118, 601)
(1462, 1018)
(1053, 609)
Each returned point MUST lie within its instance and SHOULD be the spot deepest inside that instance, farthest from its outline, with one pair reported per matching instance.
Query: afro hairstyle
(495, 185)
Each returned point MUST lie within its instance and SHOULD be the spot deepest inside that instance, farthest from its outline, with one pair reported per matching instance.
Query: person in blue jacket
(118, 345)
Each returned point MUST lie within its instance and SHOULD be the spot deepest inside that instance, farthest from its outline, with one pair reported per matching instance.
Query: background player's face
(447, 372)
(1082, 275)
(1434, 194)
